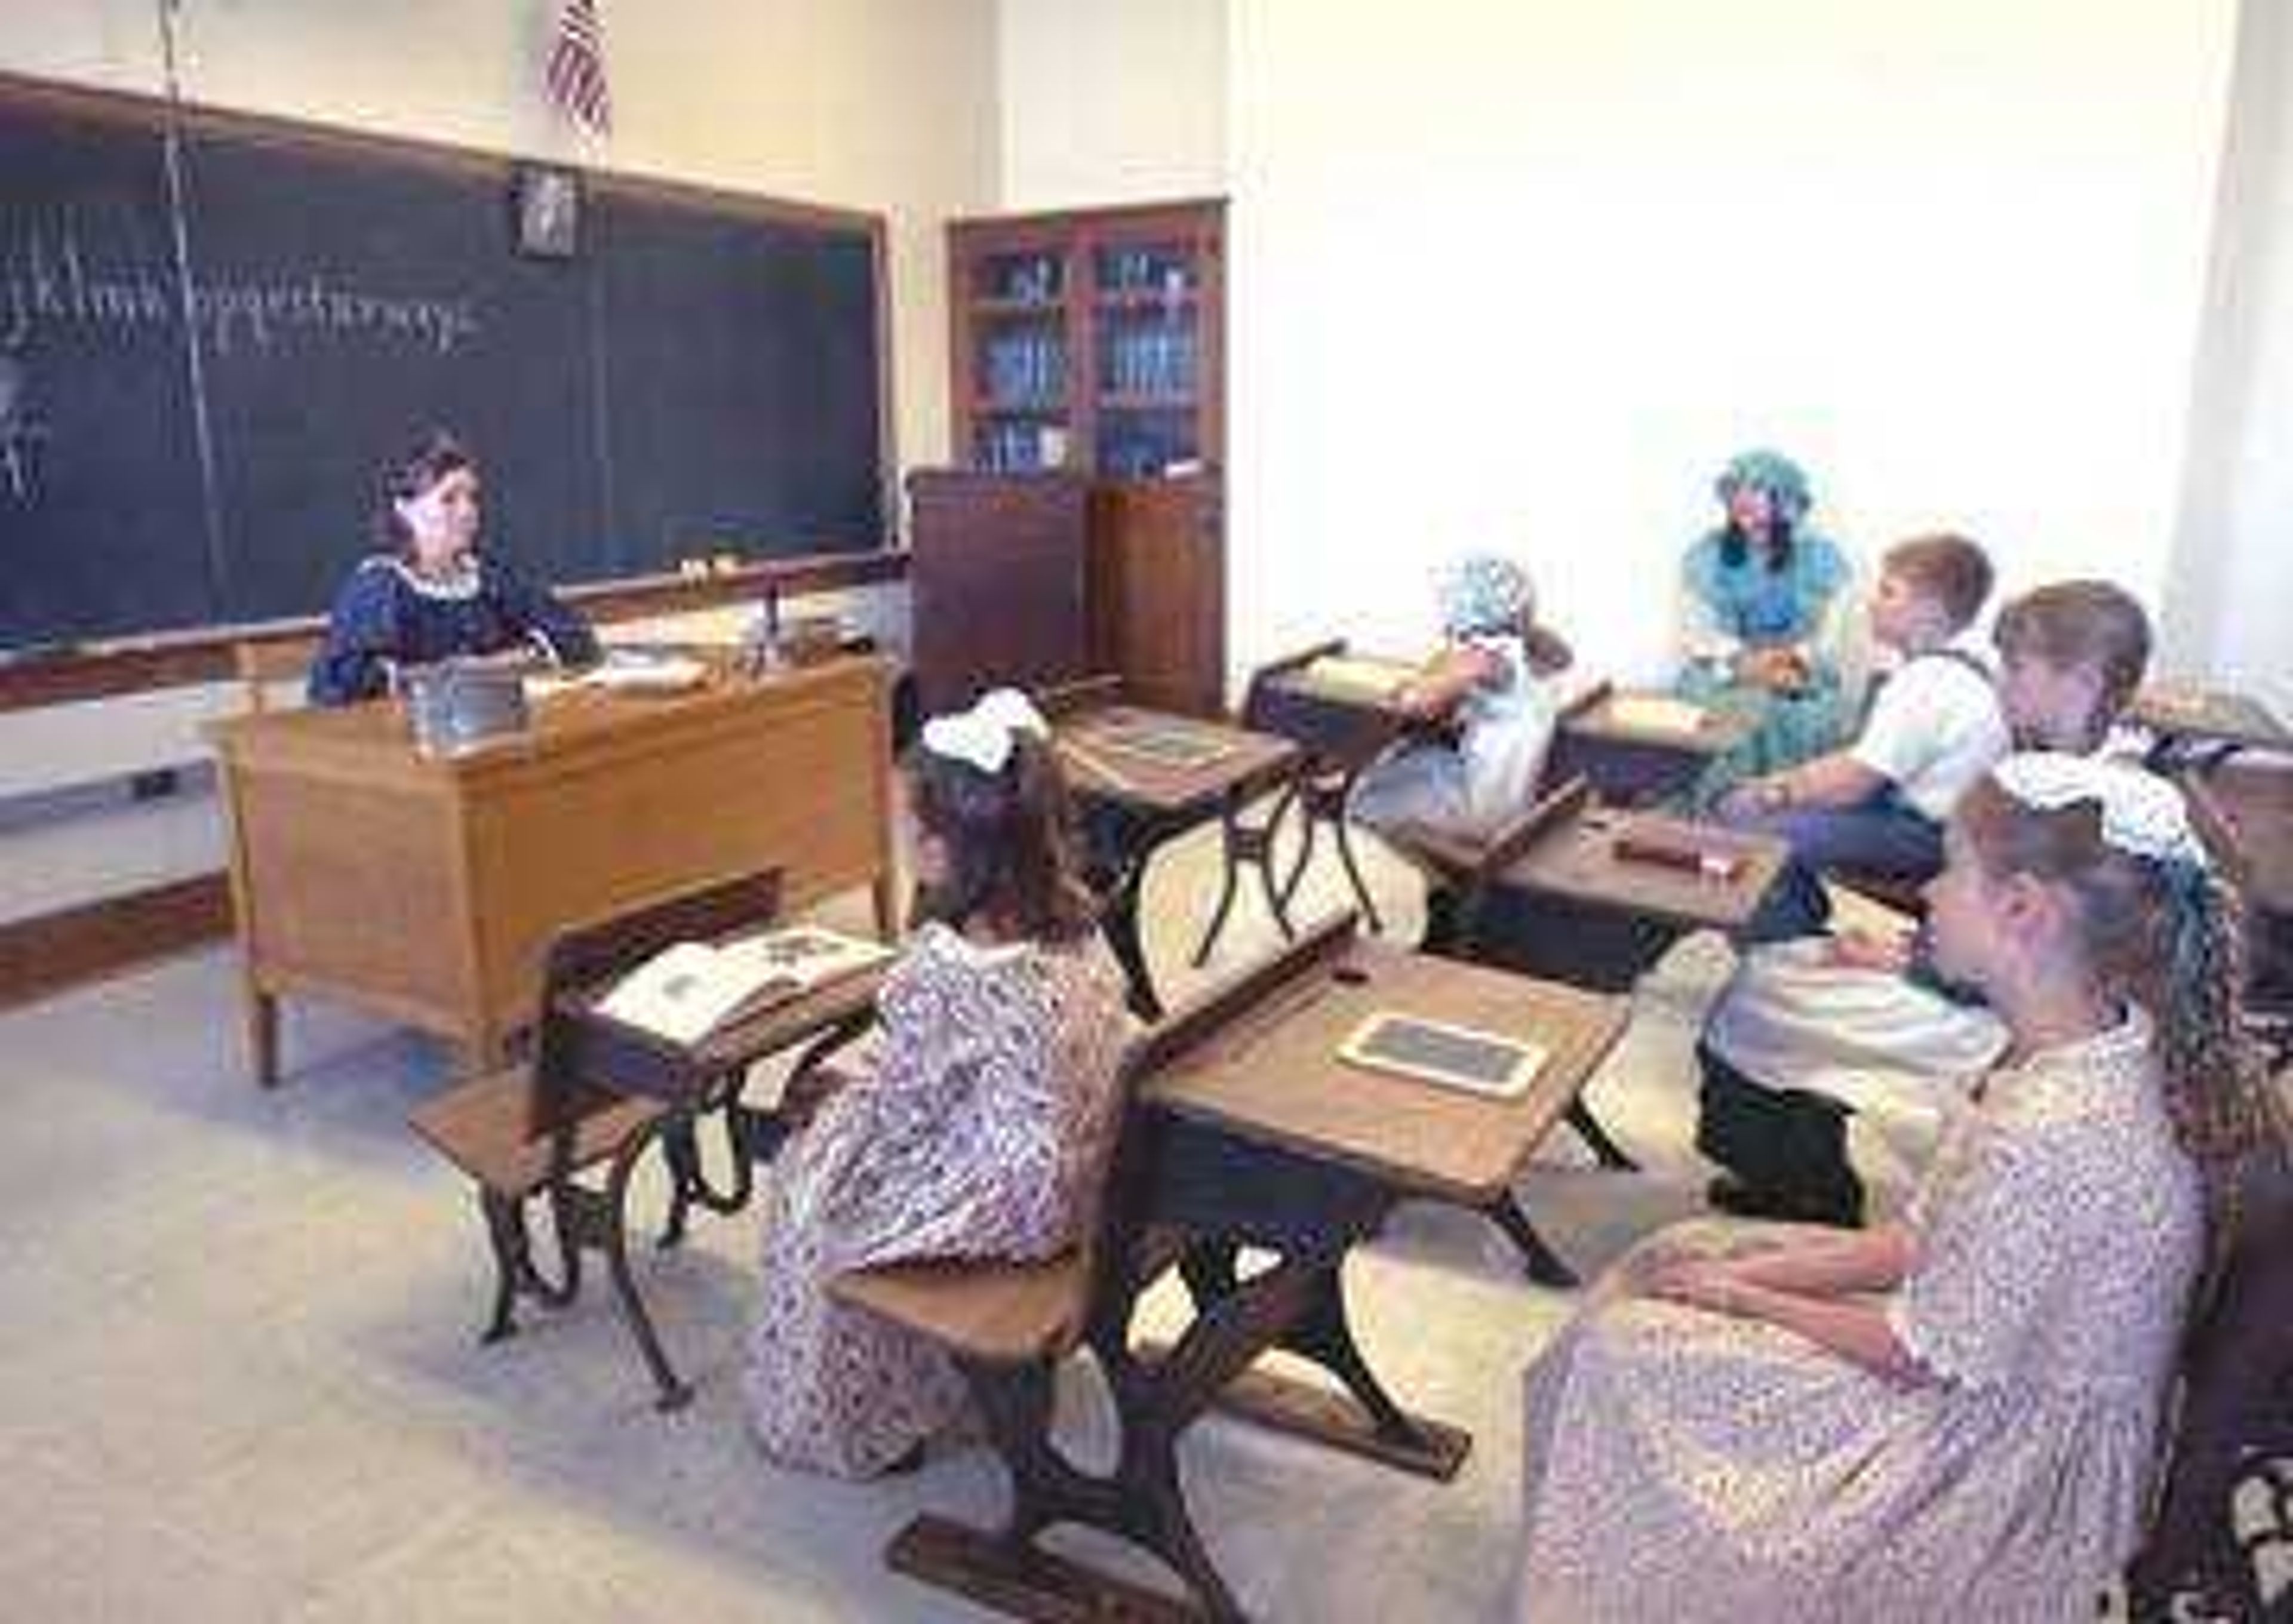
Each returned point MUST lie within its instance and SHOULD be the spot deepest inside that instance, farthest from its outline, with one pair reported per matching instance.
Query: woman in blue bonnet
(1765, 598)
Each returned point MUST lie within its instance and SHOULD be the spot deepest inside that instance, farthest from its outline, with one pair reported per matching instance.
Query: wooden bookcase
(1091, 341)
(1092, 344)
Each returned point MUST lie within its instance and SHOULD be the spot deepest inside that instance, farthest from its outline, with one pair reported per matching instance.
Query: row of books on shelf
(1024, 368)
(1126, 273)
(1153, 360)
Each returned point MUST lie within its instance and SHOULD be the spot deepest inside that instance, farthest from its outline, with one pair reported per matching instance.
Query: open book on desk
(685, 992)
(1359, 677)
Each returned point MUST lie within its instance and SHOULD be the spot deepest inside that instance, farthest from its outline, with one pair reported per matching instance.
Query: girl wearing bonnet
(981, 1127)
(1486, 689)
(1954, 1415)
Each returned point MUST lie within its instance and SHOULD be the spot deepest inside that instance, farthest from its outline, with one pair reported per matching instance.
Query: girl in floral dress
(981, 1129)
(1954, 1417)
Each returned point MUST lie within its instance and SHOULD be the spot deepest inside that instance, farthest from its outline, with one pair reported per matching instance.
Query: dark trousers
(1883, 835)
(1785, 1146)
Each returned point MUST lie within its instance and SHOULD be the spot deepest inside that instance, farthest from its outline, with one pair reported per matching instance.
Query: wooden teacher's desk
(426, 889)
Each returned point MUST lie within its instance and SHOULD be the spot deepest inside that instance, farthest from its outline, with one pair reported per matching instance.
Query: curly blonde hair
(2168, 935)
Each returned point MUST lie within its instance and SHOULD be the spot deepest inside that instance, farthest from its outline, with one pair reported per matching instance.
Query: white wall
(2229, 611)
(1522, 273)
(883, 105)
(1112, 102)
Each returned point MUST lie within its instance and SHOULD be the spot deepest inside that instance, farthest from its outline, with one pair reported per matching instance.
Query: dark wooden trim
(48, 953)
(176, 659)
(134, 106)
(1061, 219)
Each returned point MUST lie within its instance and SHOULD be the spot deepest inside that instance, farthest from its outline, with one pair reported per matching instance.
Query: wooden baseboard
(51, 953)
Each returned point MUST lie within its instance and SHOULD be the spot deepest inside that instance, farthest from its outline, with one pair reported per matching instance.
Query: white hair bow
(982, 737)
(2142, 813)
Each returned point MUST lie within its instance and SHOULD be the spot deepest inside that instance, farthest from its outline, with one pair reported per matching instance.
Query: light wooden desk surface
(1579, 857)
(1104, 759)
(1614, 716)
(426, 889)
(2184, 711)
(1274, 1074)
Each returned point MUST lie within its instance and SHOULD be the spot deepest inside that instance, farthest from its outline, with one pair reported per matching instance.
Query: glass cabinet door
(1020, 405)
(1146, 307)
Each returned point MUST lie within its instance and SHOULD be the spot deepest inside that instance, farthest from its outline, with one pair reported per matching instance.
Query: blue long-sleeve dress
(1746, 605)
(388, 616)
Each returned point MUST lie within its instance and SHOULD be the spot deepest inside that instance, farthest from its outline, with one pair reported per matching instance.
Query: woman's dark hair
(1735, 546)
(1009, 842)
(432, 458)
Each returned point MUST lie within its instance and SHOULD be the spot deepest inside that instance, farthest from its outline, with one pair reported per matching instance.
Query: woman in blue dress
(432, 595)
(1765, 599)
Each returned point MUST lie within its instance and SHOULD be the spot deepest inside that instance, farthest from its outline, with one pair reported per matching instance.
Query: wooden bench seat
(995, 1313)
(485, 1127)
(526, 1133)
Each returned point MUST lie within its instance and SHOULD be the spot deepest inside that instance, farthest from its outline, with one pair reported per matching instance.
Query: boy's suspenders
(1957, 657)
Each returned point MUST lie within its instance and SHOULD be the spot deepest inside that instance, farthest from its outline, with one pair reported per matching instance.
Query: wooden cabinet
(1090, 341)
(1155, 580)
(996, 568)
(1092, 344)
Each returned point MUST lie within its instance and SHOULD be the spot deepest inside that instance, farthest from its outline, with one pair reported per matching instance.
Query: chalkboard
(702, 376)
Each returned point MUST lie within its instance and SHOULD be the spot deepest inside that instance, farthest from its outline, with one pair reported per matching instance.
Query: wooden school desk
(1133, 799)
(1340, 710)
(426, 889)
(2201, 727)
(1640, 747)
(1249, 1131)
(704, 1079)
(1574, 903)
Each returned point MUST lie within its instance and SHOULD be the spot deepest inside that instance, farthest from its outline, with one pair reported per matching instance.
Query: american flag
(577, 68)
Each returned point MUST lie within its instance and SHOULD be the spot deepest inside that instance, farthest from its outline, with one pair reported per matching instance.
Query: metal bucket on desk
(455, 706)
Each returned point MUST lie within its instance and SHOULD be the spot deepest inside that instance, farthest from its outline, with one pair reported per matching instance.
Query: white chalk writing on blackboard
(47, 277)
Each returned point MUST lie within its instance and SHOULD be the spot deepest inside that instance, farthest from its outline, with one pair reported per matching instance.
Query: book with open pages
(685, 992)
(1354, 677)
(1655, 712)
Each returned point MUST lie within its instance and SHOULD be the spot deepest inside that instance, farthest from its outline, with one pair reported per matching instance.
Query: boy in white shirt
(1811, 1031)
(1934, 727)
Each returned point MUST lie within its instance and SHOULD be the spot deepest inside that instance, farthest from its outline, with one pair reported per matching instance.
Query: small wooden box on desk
(426, 889)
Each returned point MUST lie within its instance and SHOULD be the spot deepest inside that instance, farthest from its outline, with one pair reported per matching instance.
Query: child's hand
(1752, 797)
(1700, 1284)
(1421, 699)
(1890, 955)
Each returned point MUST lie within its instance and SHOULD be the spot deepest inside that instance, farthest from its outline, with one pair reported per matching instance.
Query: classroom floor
(242, 1381)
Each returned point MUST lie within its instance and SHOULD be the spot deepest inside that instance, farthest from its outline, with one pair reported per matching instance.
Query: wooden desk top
(1578, 857)
(664, 1068)
(1273, 1073)
(1360, 681)
(1102, 750)
(2255, 805)
(1619, 717)
(2183, 710)
(374, 740)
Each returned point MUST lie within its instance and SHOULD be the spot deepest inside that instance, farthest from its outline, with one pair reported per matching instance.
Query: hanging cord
(179, 222)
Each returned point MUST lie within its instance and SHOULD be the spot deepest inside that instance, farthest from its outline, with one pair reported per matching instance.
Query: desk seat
(485, 1127)
(999, 1313)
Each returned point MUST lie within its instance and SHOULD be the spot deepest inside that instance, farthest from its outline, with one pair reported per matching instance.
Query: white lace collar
(459, 587)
